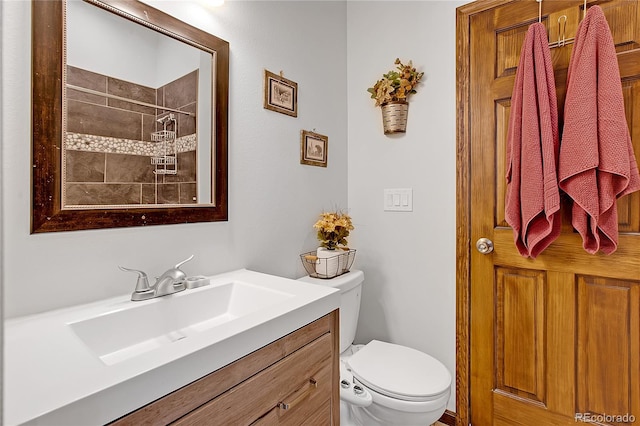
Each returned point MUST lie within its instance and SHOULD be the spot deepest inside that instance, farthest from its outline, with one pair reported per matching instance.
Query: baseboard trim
(448, 418)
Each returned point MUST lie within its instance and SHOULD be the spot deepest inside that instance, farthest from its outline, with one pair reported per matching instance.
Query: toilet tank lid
(342, 282)
(399, 371)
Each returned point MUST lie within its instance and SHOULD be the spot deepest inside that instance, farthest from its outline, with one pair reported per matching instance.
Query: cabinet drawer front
(303, 417)
(243, 404)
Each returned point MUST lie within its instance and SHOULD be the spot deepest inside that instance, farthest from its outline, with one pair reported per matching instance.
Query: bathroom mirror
(129, 117)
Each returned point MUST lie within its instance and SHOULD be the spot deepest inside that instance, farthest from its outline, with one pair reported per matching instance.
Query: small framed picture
(280, 94)
(313, 149)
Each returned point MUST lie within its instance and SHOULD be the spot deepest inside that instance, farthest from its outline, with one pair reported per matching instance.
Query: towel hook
(562, 28)
(584, 11)
(540, 10)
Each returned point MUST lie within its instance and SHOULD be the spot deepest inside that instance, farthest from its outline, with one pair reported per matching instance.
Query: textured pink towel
(533, 200)
(597, 164)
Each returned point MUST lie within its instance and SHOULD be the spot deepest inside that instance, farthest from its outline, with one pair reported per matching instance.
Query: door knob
(484, 245)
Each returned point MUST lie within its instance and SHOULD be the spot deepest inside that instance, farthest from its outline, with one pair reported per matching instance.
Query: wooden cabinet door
(556, 338)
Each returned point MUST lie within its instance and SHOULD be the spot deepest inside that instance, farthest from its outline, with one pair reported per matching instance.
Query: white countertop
(52, 378)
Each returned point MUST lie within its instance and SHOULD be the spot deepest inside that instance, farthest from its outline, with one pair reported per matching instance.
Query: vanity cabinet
(292, 381)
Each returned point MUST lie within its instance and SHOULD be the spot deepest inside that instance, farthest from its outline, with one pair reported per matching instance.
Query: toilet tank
(350, 286)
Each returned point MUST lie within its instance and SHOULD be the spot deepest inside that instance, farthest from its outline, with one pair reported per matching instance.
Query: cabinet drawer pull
(299, 395)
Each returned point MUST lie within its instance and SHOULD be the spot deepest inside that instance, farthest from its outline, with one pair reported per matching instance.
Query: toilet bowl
(383, 383)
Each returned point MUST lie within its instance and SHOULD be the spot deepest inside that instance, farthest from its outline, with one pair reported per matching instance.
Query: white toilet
(383, 384)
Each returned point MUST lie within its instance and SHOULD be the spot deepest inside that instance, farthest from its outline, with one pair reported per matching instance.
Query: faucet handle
(142, 284)
(184, 261)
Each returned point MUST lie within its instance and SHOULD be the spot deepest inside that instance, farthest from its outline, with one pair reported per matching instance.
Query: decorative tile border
(93, 143)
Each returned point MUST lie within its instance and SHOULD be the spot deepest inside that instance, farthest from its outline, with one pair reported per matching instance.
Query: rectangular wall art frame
(280, 94)
(313, 149)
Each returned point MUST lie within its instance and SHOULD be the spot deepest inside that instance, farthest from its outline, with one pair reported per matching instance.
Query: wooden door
(556, 339)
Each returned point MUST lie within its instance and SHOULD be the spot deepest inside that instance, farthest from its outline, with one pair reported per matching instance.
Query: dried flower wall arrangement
(396, 85)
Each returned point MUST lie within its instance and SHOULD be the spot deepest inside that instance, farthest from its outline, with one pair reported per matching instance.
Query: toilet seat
(399, 372)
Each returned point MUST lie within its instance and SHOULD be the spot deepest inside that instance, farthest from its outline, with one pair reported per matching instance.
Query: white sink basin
(140, 327)
(91, 364)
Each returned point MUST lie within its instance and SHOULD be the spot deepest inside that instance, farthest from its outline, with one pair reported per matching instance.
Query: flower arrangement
(333, 229)
(396, 85)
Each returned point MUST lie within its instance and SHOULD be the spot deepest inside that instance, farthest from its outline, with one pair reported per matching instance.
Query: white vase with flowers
(333, 254)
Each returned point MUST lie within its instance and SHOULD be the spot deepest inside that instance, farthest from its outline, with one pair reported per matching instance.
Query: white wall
(408, 257)
(273, 199)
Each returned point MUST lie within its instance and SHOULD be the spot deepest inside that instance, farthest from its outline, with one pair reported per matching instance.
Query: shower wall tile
(187, 123)
(83, 166)
(130, 106)
(187, 161)
(148, 193)
(188, 194)
(86, 97)
(87, 79)
(97, 177)
(103, 121)
(182, 91)
(183, 193)
(148, 126)
(160, 101)
(186, 168)
(128, 90)
(129, 168)
(102, 194)
(94, 143)
(179, 94)
(168, 193)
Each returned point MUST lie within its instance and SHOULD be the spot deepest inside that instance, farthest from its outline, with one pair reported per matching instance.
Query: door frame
(463, 205)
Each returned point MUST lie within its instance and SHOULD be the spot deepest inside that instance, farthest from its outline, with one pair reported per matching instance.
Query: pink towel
(533, 201)
(597, 164)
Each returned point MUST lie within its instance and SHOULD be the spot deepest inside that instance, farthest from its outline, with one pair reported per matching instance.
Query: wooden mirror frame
(47, 53)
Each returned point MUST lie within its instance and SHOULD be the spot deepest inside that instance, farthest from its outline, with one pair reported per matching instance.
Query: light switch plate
(398, 200)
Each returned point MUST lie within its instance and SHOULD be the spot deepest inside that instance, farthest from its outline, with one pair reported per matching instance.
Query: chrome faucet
(172, 281)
